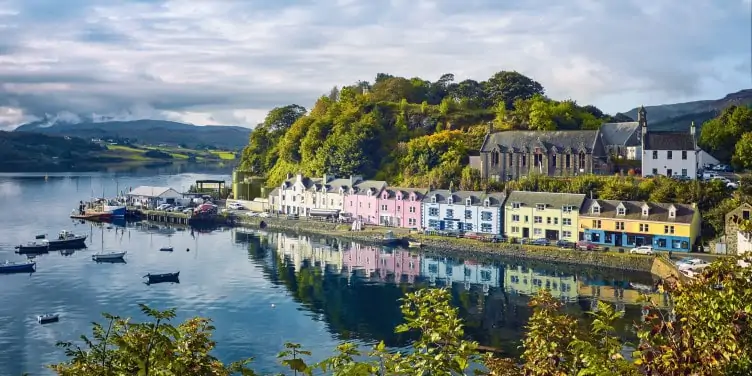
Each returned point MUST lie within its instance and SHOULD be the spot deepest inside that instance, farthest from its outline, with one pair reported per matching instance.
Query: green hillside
(410, 132)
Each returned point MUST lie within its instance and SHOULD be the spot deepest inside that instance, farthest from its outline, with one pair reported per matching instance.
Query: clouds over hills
(229, 61)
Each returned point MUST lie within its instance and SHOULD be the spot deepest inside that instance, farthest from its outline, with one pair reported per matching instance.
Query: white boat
(108, 256)
(48, 318)
(413, 244)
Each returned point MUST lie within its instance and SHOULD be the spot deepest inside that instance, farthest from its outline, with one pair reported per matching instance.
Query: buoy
(273, 305)
(187, 249)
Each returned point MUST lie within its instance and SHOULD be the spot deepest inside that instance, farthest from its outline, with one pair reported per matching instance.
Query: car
(187, 210)
(176, 209)
(642, 250)
(540, 241)
(732, 185)
(474, 235)
(693, 264)
(584, 245)
(561, 243)
(164, 207)
(497, 239)
(235, 206)
(252, 214)
(263, 215)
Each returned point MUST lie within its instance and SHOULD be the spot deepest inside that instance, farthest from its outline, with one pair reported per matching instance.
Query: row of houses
(519, 215)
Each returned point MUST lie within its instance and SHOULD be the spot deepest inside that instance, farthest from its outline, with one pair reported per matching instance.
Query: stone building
(731, 232)
(511, 154)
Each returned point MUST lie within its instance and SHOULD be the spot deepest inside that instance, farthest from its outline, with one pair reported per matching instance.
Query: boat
(48, 318)
(413, 244)
(641, 287)
(389, 238)
(66, 239)
(108, 256)
(17, 267)
(115, 210)
(166, 249)
(33, 247)
(160, 278)
(67, 252)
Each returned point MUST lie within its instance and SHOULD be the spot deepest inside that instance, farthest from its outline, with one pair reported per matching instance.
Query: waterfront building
(305, 196)
(361, 201)
(668, 153)
(468, 211)
(525, 281)
(613, 223)
(401, 207)
(534, 215)
(151, 197)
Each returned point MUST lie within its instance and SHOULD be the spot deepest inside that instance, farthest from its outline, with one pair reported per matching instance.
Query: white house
(669, 153)
(744, 245)
(306, 196)
(154, 196)
(469, 211)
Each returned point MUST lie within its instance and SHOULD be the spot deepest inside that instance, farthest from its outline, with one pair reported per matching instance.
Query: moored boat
(67, 239)
(164, 277)
(33, 247)
(109, 256)
(166, 249)
(48, 318)
(17, 267)
(389, 238)
(413, 244)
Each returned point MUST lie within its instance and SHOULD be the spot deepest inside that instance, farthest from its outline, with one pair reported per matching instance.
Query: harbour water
(262, 289)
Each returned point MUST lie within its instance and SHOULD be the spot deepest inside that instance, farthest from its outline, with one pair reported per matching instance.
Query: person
(670, 253)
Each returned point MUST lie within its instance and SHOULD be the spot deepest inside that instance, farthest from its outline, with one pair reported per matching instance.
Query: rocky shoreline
(468, 247)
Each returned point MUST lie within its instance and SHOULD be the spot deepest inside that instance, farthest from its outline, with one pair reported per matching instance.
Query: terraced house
(468, 211)
(534, 215)
(667, 227)
(306, 196)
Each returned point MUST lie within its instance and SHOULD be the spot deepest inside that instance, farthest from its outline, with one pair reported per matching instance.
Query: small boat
(389, 238)
(67, 252)
(108, 256)
(67, 240)
(48, 318)
(641, 287)
(160, 278)
(17, 267)
(32, 247)
(166, 249)
(413, 244)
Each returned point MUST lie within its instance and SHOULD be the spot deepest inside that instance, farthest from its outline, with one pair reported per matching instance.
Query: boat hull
(161, 278)
(116, 211)
(79, 241)
(108, 257)
(32, 249)
(18, 268)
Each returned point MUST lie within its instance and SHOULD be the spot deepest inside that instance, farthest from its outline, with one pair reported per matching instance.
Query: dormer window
(412, 197)
(486, 202)
(596, 209)
(540, 206)
(468, 201)
(645, 210)
(370, 192)
(672, 212)
(450, 200)
(399, 196)
(515, 205)
(433, 199)
(621, 209)
(566, 208)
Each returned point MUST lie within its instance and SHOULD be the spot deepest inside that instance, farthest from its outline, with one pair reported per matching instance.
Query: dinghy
(48, 318)
(164, 277)
(108, 256)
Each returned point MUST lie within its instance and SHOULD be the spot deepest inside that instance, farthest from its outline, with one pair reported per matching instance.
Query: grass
(224, 155)
(135, 153)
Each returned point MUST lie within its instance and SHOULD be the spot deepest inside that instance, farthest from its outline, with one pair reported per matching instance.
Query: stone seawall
(466, 247)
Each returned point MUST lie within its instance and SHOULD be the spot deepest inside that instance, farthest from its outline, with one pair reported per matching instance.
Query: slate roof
(274, 192)
(419, 192)
(460, 197)
(621, 134)
(658, 211)
(669, 141)
(563, 141)
(554, 200)
(364, 185)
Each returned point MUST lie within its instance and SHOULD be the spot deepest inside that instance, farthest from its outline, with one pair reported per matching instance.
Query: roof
(149, 191)
(622, 134)
(460, 197)
(419, 192)
(563, 141)
(363, 186)
(669, 141)
(556, 200)
(658, 211)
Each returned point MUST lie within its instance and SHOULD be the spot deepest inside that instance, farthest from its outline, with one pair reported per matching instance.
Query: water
(262, 289)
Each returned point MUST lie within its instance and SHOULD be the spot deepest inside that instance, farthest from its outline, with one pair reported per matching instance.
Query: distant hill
(680, 115)
(24, 151)
(151, 132)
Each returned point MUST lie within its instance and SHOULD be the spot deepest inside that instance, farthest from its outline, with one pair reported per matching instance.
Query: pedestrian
(670, 253)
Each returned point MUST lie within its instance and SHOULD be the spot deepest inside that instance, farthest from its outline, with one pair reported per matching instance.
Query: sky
(230, 61)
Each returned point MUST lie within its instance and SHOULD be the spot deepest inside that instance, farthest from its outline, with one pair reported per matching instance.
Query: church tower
(642, 120)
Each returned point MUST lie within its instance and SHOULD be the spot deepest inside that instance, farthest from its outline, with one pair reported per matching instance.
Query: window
(468, 214)
(369, 205)
(433, 199)
(515, 205)
(655, 171)
(566, 221)
(672, 213)
(486, 227)
(538, 159)
(655, 154)
(450, 200)
(527, 219)
(515, 229)
(566, 234)
(468, 201)
(668, 229)
(556, 220)
(433, 212)
(411, 209)
(468, 226)
(684, 155)
(515, 218)
(582, 159)
(669, 154)
(494, 158)
(537, 219)
(510, 159)
(537, 231)
(669, 172)
(383, 207)
(411, 221)
(596, 209)
(450, 213)
(644, 227)
(486, 202)
(449, 225)
(745, 214)
(620, 226)
(399, 208)
(433, 223)
(566, 209)
(548, 220)
(567, 161)
(553, 160)
(351, 203)
(596, 223)
(524, 159)
(645, 211)
(486, 215)
(540, 206)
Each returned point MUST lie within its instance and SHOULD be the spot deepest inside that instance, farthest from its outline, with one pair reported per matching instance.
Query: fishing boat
(166, 249)
(109, 256)
(67, 240)
(389, 238)
(17, 267)
(67, 252)
(413, 244)
(48, 318)
(33, 247)
(160, 278)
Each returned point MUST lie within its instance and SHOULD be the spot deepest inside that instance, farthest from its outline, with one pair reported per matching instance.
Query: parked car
(694, 264)
(584, 245)
(252, 214)
(497, 239)
(263, 215)
(540, 241)
(164, 207)
(474, 235)
(176, 209)
(561, 243)
(642, 250)
(236, 206)
(187, 210)
(732, 185)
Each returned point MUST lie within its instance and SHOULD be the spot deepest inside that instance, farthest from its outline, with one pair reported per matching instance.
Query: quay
(162, 216)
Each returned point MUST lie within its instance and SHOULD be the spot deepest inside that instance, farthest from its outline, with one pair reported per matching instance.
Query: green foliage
(743, 153)
(724, 134)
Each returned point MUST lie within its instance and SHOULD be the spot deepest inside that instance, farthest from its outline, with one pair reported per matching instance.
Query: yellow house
(613, 223)
(534, 215)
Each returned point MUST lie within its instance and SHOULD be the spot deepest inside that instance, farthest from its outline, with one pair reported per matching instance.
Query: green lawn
(224, 155)
(135, 153)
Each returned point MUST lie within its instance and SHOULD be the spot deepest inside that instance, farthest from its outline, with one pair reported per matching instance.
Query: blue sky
(230, 61)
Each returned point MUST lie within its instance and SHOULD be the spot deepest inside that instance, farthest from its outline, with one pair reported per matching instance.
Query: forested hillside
(409, 132)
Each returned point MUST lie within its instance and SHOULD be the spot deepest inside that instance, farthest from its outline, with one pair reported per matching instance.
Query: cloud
(229, 61)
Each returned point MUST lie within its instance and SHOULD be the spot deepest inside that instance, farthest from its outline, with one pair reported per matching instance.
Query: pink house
(362, 201)
(401, 207)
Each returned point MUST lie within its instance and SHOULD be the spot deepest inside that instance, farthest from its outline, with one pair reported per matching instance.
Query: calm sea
(262, 289)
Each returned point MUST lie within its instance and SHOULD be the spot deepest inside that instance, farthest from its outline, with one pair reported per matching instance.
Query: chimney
(289, 176)
(326, 179)
(490, 127)
(355, 179)
(299, 177)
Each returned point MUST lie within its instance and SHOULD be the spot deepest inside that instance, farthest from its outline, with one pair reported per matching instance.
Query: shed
(153, 196)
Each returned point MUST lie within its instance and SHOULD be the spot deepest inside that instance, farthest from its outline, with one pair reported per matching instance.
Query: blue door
(441, 225)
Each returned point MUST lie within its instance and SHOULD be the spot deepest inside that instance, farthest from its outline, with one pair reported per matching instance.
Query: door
(525, 232)
(669, 172)
(552, 234)
(617, 240)
(441, 225)
(639, 241)
(460, 226)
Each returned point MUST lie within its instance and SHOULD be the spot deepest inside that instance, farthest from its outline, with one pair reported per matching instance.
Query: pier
(166, 217)
(161, 216)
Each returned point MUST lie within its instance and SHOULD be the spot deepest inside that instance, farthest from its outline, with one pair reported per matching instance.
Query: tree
(507, 87)
(720, 134)
(743, 153)
(280, 119)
